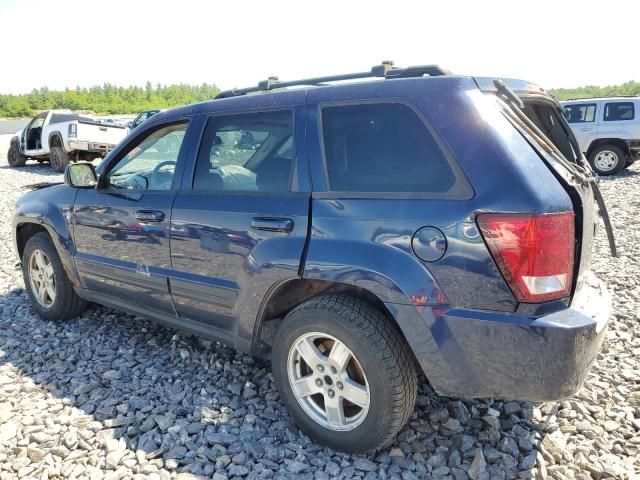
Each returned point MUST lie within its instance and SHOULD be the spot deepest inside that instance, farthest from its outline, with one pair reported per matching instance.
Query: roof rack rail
(384, 70)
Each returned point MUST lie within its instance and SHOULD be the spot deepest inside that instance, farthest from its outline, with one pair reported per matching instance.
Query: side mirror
(129, 124)
(80, 175)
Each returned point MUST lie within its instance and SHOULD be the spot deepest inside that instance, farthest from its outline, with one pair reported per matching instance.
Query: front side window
(38, 122)
(151, 163)
(618, 111)
(384, 147)
(139, 119)
(247, 152)
(582, 113)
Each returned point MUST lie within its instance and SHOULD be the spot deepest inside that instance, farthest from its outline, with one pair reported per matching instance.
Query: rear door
(239, 224)
(616, 118)
(121, 229)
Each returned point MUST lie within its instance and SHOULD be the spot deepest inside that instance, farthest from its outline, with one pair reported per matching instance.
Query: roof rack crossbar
(384, 70)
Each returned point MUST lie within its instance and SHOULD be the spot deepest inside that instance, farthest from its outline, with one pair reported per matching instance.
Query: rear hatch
(538, 116)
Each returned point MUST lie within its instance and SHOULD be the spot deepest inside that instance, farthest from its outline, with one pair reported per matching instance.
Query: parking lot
(108, 395)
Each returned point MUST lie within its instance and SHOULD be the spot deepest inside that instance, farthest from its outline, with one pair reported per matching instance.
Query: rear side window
(386, 147)
(583, 113)
(247, 152)
(618, 111)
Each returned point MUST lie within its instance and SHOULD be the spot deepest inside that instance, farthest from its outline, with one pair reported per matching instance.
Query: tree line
(589, 91)
(110, 99)
(105, 99)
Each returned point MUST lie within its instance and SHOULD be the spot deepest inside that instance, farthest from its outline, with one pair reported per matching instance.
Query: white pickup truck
(607, 129)
(61, 136)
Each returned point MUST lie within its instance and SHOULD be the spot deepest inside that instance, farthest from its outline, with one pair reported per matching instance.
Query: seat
(274, 174)
(210, 181)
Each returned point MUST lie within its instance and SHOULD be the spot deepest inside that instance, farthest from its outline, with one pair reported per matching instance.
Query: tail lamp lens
(535, 253)
(73, 130)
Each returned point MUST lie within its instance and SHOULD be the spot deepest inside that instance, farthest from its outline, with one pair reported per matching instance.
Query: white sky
(66, 43)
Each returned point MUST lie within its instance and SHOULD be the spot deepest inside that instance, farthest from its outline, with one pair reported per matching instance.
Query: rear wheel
(59, 159)
(607, 159)
(345, 373)
(46, 281)
(14, 157)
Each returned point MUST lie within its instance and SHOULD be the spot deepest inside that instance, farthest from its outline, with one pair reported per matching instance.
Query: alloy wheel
(328, 381)
(42, 278)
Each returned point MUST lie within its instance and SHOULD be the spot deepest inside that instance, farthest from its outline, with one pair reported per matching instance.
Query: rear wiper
(532, 129)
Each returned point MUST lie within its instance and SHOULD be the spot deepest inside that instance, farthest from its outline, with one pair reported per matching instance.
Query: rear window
(583, 113)
(386, 147)
(247, 152)
(618, 111)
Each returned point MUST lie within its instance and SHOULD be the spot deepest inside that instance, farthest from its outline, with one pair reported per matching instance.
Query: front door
(121, 229)
(32, 136)
(241, 225)
(582, 119)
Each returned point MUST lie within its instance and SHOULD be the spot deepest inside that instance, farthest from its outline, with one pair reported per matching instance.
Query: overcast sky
(69, 43)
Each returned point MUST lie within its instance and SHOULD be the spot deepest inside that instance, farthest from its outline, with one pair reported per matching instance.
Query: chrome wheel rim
(328, 381)
(41, 278)
(606, 160)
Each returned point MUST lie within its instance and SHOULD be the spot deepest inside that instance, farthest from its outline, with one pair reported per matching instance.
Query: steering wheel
(155, 174)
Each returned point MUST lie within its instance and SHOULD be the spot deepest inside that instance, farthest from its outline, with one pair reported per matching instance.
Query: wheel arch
(600, 142)
(24, 231)
(285, 296)
(55, 140)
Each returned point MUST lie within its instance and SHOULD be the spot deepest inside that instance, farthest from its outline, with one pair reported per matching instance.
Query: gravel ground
(112, 396)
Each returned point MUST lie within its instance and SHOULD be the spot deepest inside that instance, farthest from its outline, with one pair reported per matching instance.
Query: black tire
(14, 157)
(382, 353)
(66, 304)
(59, 159)
(598, 162)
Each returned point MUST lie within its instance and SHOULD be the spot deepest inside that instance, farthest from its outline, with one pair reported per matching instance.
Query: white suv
(607, 129)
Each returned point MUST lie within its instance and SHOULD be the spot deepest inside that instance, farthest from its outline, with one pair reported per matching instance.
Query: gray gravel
(113, 396)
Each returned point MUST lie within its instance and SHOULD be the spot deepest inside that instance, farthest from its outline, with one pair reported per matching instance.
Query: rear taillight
(73, 130)
(533, 252)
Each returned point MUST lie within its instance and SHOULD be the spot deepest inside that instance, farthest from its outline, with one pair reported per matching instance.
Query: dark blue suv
(355, 232)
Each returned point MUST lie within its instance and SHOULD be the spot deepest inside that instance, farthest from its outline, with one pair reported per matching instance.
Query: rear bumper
(472, 354)
(95, 147)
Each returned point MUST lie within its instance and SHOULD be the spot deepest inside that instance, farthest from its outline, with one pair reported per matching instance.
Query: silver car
(607, 129)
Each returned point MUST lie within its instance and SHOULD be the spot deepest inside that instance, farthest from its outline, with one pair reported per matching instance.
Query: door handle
(149, 215)
(585, 129)
(271, 224)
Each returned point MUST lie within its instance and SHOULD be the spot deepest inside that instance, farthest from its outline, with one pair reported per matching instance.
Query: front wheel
(607, 160)
(59, 159)
(345, 373)
(46, 281)
(14, 157)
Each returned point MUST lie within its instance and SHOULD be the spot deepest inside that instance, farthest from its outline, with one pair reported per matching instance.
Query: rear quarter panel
(367, 241)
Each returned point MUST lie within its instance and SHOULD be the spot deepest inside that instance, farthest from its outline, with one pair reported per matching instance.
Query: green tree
(105, 98)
